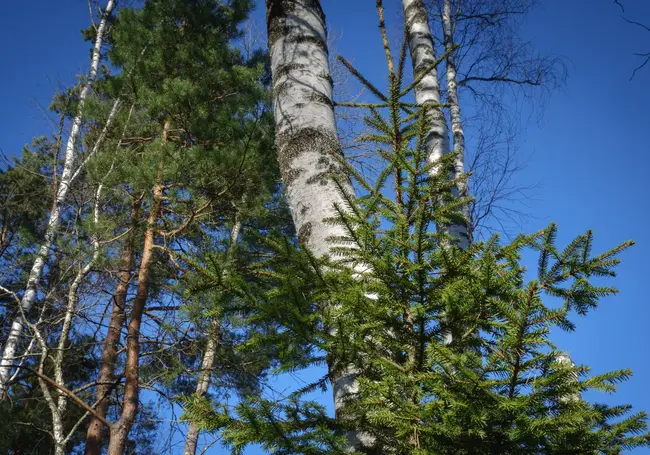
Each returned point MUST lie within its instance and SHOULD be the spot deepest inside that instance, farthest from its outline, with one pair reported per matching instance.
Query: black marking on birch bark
(425, 65)
(420, 15)
(281, 88)
(428, 48)
(280, 8)
(321, 178)
(318, 9)
(284, 70)
(293, 143)
(327, 76)
(321, 98)
(276, 30)
(304, 234)
(421, 36)
(434, 134)
(315, 40)
(290, 176)
(277, 12)
(329, 169)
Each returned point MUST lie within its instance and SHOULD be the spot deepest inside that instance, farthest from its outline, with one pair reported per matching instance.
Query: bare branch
(636, 23)
(71, 394)
(616, 2)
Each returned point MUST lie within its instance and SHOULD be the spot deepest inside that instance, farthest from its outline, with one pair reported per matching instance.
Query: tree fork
(121, 428)
(111, 342)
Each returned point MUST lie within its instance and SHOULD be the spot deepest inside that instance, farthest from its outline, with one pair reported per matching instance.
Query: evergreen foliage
(500, 386)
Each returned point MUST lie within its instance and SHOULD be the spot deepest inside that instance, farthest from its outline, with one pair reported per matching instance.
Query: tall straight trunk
(36, 272)
(427, 91)
(306, 138)
(106, 377)
(459, 231)
(307, 144)
(207, 364)
(120, 429)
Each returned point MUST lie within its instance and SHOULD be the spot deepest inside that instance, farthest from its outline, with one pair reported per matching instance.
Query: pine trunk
(121, 429)
(307, 144)
(36, 272)
(106, 378)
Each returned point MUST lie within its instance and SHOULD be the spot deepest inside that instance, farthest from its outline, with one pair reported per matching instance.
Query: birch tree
(307, 145)
(30, 293)
(207, 363)
(493, 68)
(58, 403)
(427, 93)
(454, 107)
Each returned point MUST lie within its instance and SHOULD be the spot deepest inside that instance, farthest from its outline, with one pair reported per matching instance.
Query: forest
(232, 239)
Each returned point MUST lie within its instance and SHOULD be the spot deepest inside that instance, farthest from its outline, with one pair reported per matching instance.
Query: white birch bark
(458, 231)
(36, 272)
(207, 363)
(427, 91)
(307, 143)
(100, 139)
(564, 359)
(306, 137)
(62, 400)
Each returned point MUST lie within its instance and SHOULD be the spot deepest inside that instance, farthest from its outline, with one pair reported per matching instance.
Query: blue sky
(589, 152)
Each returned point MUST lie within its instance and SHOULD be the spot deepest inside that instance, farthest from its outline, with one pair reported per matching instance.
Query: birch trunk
(427, 92)
(564, 359)
(106, 377)
(307, 144)
(459, 231)
(120, 429)
(62, 400)
(54, 221)
(192, 437)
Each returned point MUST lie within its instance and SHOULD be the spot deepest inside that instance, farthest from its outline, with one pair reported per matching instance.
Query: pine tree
(192, 146)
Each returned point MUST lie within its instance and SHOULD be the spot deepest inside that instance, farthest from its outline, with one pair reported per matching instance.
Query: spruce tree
(500, 385)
